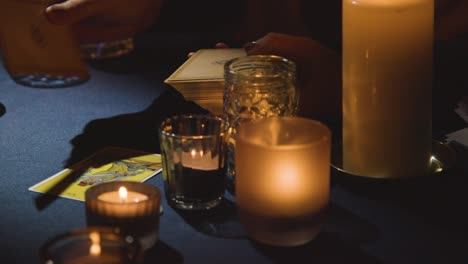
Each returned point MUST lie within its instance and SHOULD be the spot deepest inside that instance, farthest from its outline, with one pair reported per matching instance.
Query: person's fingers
(265, 45)
(71, 11)
(91, 33)
(258, 48)
(221, 45)
(249, 45)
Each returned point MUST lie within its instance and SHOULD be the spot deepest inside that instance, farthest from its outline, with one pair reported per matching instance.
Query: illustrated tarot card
(106, 165)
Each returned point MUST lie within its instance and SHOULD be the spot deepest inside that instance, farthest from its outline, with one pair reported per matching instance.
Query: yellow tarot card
(106, 165)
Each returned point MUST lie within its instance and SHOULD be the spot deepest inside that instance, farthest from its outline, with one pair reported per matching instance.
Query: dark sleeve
(203, 16)
(323, 20)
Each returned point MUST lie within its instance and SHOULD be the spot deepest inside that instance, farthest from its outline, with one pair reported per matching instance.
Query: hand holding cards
(35, 52)
(201, 78)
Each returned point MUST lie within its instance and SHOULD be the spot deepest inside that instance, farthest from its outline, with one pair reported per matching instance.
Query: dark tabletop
(42, 131)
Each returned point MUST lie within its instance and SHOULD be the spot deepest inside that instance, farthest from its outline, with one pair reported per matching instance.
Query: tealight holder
(131, 207)
(90, 245)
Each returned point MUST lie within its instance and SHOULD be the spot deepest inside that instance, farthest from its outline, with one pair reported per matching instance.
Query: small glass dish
(90, 245)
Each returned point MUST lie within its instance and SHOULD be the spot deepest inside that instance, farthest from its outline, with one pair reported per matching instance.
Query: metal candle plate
(443, 157)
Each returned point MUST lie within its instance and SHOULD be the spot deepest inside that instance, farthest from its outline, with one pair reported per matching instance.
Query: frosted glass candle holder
(282, 179)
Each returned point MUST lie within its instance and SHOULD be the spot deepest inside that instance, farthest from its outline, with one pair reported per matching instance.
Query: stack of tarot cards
(201, 77)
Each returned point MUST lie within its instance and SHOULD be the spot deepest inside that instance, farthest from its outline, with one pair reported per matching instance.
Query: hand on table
(318, 71)
(101, 20)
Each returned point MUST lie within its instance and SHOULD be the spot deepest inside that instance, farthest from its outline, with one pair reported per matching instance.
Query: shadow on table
(137, 131)
(326, 248)
(221, 221)
(162, 253)
(348, 227)
(115, 131)
(438, 199)
(2, 109)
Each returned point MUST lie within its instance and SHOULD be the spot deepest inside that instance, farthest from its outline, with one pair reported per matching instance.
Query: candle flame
(288, 179)
(95, 248)
(195, 153)
(123, 193)
(94, 237)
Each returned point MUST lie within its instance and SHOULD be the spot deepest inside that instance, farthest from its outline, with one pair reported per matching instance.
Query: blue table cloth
(45, 130)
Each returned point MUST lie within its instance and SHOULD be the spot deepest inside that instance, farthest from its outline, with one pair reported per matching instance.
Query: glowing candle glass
(387, 87)
(282, 179)
(90, 245)
(133, 207)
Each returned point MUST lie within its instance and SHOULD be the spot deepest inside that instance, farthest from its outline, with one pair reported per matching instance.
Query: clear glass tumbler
(256, 87)
(193, 155)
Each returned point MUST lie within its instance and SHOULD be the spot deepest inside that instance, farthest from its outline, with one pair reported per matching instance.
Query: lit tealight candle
(198, 160)
(123, 196)
(131, 206)
(282, 179)
(387, 87)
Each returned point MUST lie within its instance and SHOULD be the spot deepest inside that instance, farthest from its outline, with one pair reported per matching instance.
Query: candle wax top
(114, 197)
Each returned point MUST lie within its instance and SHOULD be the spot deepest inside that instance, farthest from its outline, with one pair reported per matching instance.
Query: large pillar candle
(387, 87)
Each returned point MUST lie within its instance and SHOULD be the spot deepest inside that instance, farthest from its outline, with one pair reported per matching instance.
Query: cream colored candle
(387, 87)
(122, 203)
(198, 160)
(282, 179)
(122, 196)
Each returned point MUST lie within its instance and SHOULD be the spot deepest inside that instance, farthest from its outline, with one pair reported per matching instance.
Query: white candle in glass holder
(133, 207)
(387, 87)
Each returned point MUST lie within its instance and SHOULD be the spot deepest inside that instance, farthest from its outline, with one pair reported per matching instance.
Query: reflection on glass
(108, 49)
